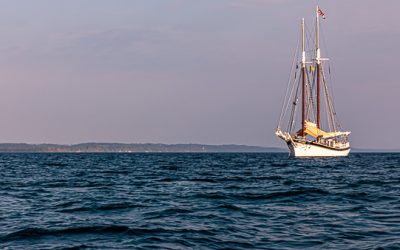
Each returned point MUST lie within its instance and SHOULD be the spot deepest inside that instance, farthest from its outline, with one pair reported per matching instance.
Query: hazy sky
(187, 71)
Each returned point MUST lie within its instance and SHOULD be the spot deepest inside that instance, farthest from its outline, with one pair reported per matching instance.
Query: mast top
(318, 57)
(303, 54)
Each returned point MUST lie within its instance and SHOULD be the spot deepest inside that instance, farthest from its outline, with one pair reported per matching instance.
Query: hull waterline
(301, 149)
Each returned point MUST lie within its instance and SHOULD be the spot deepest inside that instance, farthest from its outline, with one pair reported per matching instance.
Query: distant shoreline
(133, 148)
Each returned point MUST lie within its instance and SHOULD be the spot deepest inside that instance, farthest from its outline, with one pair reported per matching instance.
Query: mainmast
(318, 59)
(303, 73)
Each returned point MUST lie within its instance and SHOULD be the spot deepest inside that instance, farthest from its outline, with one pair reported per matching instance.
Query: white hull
(299, 149)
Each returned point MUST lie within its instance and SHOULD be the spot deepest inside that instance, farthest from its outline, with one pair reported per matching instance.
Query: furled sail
(314, 131)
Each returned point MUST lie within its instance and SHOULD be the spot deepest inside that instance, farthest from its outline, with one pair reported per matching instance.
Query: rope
(311, 105)
(295, 58)
(329, 104)
(330, 86)
(294, 109)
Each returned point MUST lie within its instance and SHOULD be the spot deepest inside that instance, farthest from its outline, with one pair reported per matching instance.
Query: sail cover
(312, 130)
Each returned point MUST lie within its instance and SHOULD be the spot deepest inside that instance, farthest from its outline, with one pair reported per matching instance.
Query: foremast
(318, 61)
(303, 75)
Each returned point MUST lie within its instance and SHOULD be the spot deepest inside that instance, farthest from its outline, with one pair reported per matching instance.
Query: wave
(115, 172)
(258, 196)
(29, 233)
(368, 182)
(168, 179)
(34, 233)
(285, 194)
(202, 180)
(231, 179)
(275, 164)
(56, 164)
(272, 177)
(207, 180)
(83, 246)
(230, 207)
(106, 207)
(245, 211)
(210, 196)
(167, 212)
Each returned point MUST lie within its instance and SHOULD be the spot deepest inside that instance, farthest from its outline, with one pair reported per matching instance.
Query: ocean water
(199, 201)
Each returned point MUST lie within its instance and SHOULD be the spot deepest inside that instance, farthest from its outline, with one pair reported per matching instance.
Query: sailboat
(316, 131)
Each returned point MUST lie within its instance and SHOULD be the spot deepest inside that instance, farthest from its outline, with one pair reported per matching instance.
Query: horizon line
(190, 143)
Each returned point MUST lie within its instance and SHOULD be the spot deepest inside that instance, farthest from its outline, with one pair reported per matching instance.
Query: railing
(328, 143)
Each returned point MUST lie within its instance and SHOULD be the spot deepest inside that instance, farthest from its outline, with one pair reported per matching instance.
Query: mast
(318, 59)
(303, 73)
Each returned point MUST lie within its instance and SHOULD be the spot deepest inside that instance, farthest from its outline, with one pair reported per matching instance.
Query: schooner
(316, 131)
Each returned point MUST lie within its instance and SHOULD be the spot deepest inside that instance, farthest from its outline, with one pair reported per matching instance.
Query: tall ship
(308, 122)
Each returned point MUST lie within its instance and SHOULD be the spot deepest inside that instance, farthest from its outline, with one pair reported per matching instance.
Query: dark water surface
(199, 201)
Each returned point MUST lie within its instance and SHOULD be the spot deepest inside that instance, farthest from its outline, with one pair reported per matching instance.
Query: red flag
(322, 14)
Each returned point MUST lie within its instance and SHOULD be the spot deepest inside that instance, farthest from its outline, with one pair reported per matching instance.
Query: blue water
(199, 201)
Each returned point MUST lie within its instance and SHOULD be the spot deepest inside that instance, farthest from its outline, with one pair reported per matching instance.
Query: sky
(188, 71)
